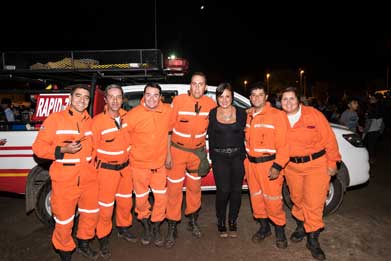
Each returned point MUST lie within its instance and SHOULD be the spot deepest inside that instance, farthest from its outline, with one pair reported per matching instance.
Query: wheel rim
(47, 203)
(330, 194)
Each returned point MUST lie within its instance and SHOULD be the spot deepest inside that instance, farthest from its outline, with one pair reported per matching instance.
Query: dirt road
(359, 230)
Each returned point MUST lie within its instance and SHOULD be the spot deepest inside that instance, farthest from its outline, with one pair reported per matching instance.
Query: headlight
(354, 139)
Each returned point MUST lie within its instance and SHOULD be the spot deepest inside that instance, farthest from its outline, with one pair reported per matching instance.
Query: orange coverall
(73, 176)
(148, 130)
(309, 182)
(189, 124)
(112, 146)
(265, 135)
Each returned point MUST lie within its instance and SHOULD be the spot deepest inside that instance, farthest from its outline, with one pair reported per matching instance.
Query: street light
(301, 82)
(245, 85)
(267, 82)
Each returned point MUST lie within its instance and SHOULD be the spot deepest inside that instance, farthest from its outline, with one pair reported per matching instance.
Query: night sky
(347, 45)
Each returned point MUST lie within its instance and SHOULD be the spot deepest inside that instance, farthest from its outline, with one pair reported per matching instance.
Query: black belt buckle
(226, 150)
(114, 166)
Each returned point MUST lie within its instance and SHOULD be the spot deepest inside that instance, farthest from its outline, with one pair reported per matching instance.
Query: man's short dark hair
(80, 86)
(199, 74)
(257, 85)
(113, 86)
(153, 85)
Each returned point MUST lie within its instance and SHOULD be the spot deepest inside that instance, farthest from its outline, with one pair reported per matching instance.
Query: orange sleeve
(96, 135)
(44, 145)
(282, 155)
(173, 114)
(329, 141)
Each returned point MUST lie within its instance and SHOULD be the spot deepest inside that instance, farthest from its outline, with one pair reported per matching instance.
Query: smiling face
(152, 97)
(289, 102)
(114, 100)
(225, 99)
(258, 98)
(197, 86)
(80, 99)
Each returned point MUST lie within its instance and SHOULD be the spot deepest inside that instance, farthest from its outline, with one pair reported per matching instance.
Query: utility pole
(155, 25)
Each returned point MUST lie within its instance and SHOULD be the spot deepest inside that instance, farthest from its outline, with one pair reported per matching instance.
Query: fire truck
(38, 84)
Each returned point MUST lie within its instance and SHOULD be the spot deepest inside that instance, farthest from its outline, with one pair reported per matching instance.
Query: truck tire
(333, 200)
(43, 208)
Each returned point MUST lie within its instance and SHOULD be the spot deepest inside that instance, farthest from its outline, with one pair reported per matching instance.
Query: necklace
(227, 117)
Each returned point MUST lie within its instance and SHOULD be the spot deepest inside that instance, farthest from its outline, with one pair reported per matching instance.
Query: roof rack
(129, 65)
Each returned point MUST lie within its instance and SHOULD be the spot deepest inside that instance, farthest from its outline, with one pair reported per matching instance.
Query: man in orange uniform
(112, 145)
(313, 152)
(267, 154)
(189, 123)
(66, 138)
(148, 126)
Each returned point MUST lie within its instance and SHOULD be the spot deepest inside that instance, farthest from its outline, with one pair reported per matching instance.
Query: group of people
(102, 162)
(371, 125)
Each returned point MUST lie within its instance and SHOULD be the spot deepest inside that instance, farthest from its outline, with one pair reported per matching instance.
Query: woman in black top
(227, 152)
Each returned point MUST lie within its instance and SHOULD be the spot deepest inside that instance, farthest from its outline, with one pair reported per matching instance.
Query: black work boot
(123, 232)
(83, 247)
(263, 232)
(299, 233)
(171, 234)
(65, 255)
(157, 237)
(193, 226)
(281, 241)
(222, 228)
(314, 246)
(104, 247)
(146, 237)
(233, 228)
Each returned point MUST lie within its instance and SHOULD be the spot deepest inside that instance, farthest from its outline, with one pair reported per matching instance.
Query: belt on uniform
(226, 150)
(261, 159)
(304, 159)
(104, 165)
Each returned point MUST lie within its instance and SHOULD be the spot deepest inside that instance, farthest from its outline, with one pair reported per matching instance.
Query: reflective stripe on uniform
(107, 205)
(68, 160)
(200, 135)
(181, 134)
(272, 197)
(108, 131)
(265, 150)
(257, 193)
(159, 191)
(110, 152)
(124, 125)
(87, 133)
(191, 113)
(123, 195)
(176, 180)
(142, 195)
(192, 177)
(263, 125)
(89, 211)
(64, 222)
(67, 132)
